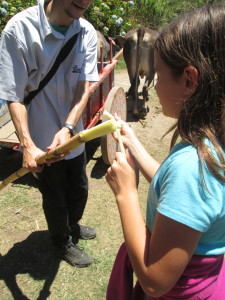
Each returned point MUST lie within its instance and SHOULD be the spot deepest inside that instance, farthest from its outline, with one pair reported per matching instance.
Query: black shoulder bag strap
(64, 52)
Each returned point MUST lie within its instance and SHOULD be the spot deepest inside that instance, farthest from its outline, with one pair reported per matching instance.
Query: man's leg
(77, 198)
(53, 186)
(52, 182)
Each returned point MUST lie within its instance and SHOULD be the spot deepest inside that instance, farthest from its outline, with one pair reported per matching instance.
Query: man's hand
(29, 159)
(60, 138)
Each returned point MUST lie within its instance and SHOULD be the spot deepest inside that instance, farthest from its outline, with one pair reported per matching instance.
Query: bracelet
(72, 129)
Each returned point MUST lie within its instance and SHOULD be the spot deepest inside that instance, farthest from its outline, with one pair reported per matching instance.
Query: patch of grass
(121, 65)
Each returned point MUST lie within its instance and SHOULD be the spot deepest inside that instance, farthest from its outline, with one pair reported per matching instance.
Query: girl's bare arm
(146, 163)
(158, 258)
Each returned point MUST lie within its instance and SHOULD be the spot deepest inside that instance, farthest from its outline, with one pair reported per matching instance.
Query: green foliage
(111, 17)
(104, 14)
(121, 65)
(11, 8)
(158, 13)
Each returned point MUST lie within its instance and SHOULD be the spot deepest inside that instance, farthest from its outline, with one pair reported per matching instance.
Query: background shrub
(111, 17)
(158, 13)
(11, 8)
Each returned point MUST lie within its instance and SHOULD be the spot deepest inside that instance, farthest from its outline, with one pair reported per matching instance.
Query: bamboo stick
(83, 136)
(20, 173)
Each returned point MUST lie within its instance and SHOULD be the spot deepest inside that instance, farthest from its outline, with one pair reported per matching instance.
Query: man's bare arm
(30, 151)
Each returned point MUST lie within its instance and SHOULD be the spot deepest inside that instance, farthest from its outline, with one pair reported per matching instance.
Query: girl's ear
(191, 79)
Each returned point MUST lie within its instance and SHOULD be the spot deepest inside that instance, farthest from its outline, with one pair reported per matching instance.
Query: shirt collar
(46, 29)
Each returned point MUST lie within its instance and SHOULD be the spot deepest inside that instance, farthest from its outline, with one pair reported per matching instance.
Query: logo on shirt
(75, 69)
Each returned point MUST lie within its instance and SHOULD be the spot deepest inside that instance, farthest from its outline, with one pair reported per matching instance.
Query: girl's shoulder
(183, 167)
(181, 164)
(182, 154)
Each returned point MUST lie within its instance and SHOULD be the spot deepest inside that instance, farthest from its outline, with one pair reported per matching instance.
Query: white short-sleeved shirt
(28, 49)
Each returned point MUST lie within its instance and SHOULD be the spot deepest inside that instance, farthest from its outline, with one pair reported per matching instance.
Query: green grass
(121, 65)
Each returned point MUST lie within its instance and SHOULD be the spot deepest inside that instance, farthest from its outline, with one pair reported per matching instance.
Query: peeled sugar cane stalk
(118, 135)
(84, 136)
(108, 115)
(122, 149)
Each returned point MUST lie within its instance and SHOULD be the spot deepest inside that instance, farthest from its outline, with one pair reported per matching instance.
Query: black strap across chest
(64, 52)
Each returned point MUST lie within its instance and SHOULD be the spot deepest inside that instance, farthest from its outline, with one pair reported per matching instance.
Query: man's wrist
(72, 129)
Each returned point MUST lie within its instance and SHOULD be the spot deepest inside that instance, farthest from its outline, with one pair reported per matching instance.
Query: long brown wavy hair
(198, 39)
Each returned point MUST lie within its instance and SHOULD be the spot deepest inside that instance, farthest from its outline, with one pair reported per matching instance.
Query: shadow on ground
(99, 169)
(32, 256)
(10, 162)
(130, 105)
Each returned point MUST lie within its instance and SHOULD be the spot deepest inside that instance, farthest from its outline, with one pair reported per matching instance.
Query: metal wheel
(115, 103)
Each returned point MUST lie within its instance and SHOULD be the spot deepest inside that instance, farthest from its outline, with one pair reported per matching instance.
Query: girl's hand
(121, 176)
(127, 134)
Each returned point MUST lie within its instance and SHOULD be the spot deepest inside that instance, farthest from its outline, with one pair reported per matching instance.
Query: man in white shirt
(29, 46)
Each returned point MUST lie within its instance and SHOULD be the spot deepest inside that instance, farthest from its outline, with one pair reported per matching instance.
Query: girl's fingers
(119, 157)
(130, 158)
(109, 170)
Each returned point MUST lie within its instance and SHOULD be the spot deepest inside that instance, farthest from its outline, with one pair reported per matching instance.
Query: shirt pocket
(73, 69)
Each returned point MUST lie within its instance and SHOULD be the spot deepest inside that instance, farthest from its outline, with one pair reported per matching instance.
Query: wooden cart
(102, 95)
